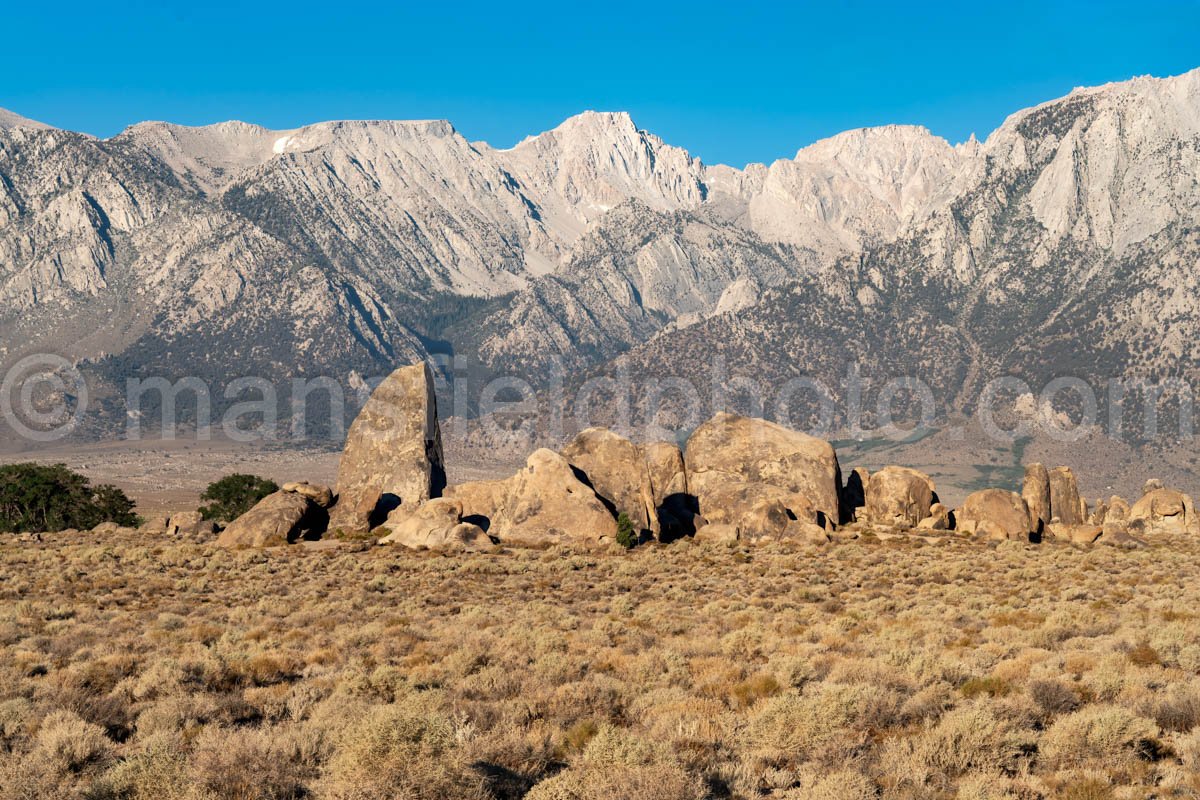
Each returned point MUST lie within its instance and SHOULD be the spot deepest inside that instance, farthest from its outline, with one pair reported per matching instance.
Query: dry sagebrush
(863, 670)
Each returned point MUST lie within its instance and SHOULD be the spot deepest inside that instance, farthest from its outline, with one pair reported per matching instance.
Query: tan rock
(426, 525)
(718, 533)
(732, 449)
(545, 503)
(616, 469)
(757, 510)
(676, 507)
(809, 533)
(185, 520)
(1035, 491)
(191, 525)
(1118, 509)
(1065, 503)
(321, 495)
(1165, 511)
(994, 513)
(898, 496)
(1075, 534)
(481, 500)
(155, 525)
(279, 518)
(668, 475)
(467, 536)
(393, 452)
(940, 518)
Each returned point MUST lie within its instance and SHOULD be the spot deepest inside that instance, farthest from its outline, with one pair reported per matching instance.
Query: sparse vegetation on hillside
(36, 497)
(897, 670)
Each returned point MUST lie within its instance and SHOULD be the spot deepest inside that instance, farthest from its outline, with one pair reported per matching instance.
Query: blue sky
(732, 81)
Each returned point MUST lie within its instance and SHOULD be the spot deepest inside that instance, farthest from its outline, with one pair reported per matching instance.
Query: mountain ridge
(352, 245)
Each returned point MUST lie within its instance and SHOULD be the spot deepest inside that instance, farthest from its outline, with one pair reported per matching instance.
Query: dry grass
(133, 669)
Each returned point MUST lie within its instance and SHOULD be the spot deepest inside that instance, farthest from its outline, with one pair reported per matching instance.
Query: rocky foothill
(738, 479)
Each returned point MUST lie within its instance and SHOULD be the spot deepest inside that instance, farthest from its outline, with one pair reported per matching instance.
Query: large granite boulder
(1118, 509)
(279, 518)
(1066, 506)
(616, 469)
(481, 500)
(192, 526)
(898, 496)
(995, 514)
(940, 518)
(544, 503)
(668, 475)
(730, 449)
(673, 503)
(1164, 511)
(435, 524)
(321, 495)
(1035, 491)
(757, 510)
(393, 453)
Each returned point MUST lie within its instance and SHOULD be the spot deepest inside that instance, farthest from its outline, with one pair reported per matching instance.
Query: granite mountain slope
(1064, 241)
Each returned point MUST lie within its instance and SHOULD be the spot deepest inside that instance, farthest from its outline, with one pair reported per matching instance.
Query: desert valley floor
(922, 667)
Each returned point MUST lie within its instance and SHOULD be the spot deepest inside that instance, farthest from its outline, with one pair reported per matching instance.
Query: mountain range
(1065, 244)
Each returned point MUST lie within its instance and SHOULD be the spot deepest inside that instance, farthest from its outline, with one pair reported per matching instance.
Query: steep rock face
(636, 273)
(616, 470)
(393, 454)
(844, 193)
(595, 161)
(1035, 491)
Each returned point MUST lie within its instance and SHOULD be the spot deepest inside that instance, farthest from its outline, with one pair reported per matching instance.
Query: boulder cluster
(738, 479)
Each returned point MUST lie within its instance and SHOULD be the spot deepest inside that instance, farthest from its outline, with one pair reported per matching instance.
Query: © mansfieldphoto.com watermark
(46, 398)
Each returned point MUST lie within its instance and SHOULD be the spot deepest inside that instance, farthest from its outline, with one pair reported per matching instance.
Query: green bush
(35, 497)
(626, 535)
(234, 495)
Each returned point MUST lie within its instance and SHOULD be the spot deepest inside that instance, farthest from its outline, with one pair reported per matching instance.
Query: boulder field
(737, 479)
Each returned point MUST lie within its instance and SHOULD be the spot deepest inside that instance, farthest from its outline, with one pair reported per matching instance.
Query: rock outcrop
(731, 450)
(1035, 491)
(321, 495)
(1066, 506)
(898, 496)
(940, 518)
(279, 518)
(673, 503)
(1118, 509)
(543, 503)
(435, 524)
(668, 475)
(757, 510)
(393, 452)
(1165, 511)
(995, 514)
(616, 469)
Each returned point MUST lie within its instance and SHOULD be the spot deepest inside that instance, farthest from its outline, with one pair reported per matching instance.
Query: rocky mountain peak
(8, 119)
